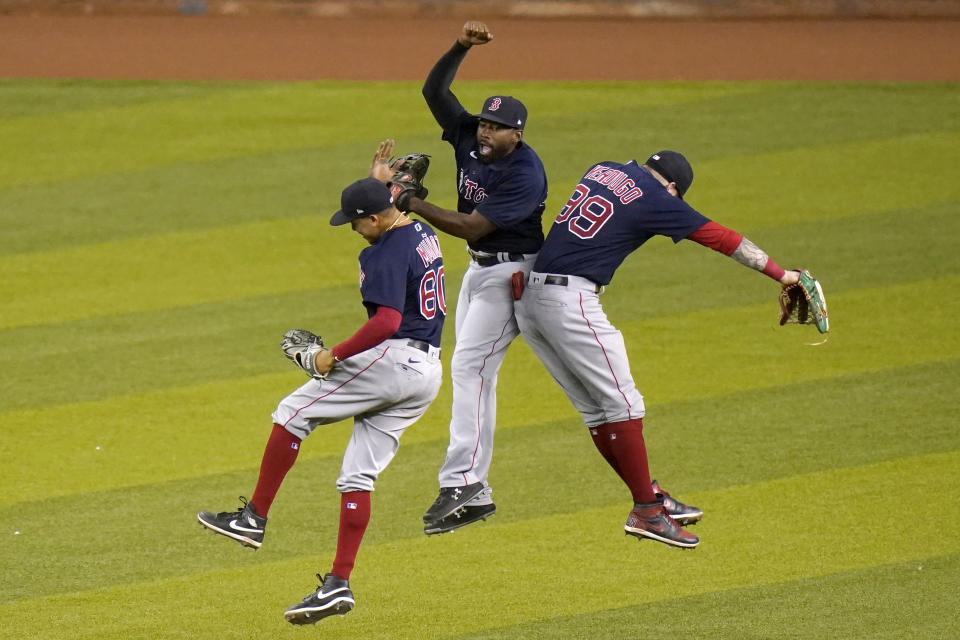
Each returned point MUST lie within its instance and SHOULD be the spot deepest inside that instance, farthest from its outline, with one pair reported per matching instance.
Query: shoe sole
(436, 529)
(339, 607)
(641, 534)
(243, 540)
(462, 502)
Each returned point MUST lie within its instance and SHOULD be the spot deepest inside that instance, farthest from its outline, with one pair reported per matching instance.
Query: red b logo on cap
(494, 104)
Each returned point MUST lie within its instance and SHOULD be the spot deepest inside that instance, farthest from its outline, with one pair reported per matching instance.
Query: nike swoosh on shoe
(235, 525)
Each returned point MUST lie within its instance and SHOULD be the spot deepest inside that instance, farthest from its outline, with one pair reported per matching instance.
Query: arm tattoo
(750, 255)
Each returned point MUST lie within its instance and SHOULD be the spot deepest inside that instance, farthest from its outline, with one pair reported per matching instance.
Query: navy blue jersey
(615, 209)
(509, 192)
(403, 270)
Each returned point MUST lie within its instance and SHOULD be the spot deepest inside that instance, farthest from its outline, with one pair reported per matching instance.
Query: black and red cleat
(653, 522)
(684, 514)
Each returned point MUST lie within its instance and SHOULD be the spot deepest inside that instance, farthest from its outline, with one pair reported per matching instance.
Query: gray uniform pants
(485, 327)
(384, 389)
(566, 327)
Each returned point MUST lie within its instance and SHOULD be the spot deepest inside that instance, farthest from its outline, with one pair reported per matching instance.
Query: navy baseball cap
(362, 198)
(674, 167)
(505, 110)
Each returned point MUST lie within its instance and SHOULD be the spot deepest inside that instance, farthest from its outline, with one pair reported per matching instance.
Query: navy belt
(489, 261)
(564, 280)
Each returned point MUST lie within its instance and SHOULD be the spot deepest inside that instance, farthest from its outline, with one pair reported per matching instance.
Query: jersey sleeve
(717, 237)
(514, 199)
(674, 218)
(444, 105)
(381, 325)
(384, 282)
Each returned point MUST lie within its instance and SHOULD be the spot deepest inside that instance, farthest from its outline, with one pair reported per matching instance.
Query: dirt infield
(305, 48)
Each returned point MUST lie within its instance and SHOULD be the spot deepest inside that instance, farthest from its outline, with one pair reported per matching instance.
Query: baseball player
(502, 188)
(613, 210)
(384, 377)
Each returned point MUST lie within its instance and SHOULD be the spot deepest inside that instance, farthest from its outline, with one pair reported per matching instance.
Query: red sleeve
(383, 324)
(717, 237)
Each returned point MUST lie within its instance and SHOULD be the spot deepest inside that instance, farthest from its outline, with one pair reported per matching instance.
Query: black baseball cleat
(449, 500)
(461, 517)
(684, 514)
(652, 521)
(244, 526)
(332, 597)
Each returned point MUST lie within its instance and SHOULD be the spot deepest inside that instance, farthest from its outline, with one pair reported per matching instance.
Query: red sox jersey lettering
(470, 190)
(617, 181)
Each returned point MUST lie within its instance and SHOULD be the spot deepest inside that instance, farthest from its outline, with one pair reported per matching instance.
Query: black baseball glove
(407, 182)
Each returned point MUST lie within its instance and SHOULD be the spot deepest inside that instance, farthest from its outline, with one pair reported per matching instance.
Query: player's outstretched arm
(743, 250)
(470, 227)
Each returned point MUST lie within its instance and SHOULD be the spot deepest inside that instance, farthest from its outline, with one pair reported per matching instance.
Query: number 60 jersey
(615, 209)
(403, 270)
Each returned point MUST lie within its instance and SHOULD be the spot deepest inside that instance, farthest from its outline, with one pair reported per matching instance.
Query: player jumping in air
(384, 377)
(501, 188)
(614, 209)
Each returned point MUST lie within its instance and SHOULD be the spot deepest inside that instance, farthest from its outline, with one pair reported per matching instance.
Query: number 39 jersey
(615, 209)
(403, 270)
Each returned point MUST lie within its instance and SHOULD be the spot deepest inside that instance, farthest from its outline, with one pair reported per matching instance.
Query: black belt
(489, 261)
(423, 345)
(563, 281)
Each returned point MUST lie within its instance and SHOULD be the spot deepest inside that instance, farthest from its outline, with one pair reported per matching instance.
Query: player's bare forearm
(752, 256)
(469, 227)
(730, 243)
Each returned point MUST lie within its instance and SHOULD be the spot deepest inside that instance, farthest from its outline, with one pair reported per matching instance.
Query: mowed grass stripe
(782, 117)
(20, 98)
(412, 588)
(176, 269)
(826, 181)
(665, 372)
(727, 350)
(258, 184)
(221, 125)
(695, 447)
(233, 122)
(264, 181)
(272, 185)
(863, 604)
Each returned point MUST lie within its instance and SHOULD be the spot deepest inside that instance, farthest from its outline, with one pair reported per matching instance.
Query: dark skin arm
(470, 227)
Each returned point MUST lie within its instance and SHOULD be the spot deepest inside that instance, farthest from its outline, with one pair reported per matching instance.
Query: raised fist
(474, 32)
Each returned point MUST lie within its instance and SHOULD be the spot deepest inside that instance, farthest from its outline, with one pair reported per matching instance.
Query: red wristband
(773, 270)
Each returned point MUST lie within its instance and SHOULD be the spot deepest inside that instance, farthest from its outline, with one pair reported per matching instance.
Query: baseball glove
(416, 164)
(407, 182)
(302, 347)
(804, 303)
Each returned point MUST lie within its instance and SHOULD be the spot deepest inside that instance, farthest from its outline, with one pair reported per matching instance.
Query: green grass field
(159, 238)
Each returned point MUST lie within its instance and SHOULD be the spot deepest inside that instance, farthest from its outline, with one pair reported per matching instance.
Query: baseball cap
(505, 110)
(362, 198)
(674, 167)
